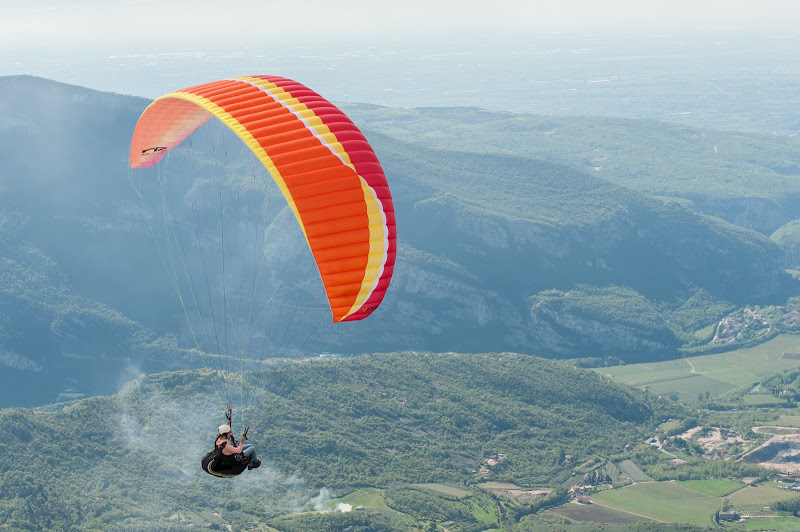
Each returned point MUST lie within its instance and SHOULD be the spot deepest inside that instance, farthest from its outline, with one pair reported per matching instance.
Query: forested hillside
(747, 179)
(56, 344)
(497, 252)
(132, 460)
(527, 226)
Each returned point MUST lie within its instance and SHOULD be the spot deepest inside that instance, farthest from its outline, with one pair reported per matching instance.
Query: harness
(224, 465)
(222, 459)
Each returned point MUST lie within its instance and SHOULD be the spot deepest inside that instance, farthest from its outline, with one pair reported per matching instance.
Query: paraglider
(331, 180)
(229, 457)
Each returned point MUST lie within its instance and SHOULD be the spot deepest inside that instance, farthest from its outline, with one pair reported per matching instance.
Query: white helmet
(224, 429)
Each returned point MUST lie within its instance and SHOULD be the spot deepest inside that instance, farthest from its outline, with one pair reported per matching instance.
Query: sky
(390, 53)
(53, 24)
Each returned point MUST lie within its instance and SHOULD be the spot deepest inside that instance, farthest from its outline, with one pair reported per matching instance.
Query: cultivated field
(762, 400)
(632, 471)
(788, 421)
(595, 513)
(445, 489)
(661, 501)
(717, 374)
(756, 497)
(369, 498)
(715, 486)
(777, 524)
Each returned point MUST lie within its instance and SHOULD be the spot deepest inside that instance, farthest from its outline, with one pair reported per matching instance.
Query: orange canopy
(322, 163)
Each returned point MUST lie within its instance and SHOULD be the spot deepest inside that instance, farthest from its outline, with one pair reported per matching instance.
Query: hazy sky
(411, 52)
(56, 25)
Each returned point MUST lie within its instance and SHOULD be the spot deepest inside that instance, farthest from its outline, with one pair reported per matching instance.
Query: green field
(632, 471)
(788, 421)
(762, 400)
(445, 489)
(756, 497)
(369, 498)
(484, 515)
(706, 333)
(714, 486)
(595, 514)
(373, 499)
(718, 374)
(662, 501)
(671, 427)
(778, 524)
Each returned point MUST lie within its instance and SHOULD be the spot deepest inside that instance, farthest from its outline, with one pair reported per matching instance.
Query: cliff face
(657, 250)
(567, 333)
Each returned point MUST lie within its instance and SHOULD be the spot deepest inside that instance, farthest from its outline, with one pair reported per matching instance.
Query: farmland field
(689, 386)
(714, 486)
(445, 489)
(788, 421)
(595, 514)
(779, 524)
(762, 400)
(775, 430)
(706, 333)
(369, 498)
(717, 373)
(632, 471)
(661, 501)
(758, 496)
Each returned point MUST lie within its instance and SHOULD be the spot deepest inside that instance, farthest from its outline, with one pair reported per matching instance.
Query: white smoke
(321, 503)
(178, 431)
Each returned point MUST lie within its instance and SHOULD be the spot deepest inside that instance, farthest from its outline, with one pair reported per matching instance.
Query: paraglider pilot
(241, 452)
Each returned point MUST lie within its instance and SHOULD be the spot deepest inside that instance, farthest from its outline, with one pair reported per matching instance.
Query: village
(748, 323)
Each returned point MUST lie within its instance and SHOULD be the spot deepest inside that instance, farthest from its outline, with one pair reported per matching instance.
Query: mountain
(131, 461)
(744, 178)
(497, 252)
(525, 226)
(787, 237)
(56, 344)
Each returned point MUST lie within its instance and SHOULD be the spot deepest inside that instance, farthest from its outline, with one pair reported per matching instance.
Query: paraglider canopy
(322, 163)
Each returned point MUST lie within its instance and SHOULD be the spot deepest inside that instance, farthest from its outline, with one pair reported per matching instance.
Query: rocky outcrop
(567, 334)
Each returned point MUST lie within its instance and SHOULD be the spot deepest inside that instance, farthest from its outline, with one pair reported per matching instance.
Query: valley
(578, 334)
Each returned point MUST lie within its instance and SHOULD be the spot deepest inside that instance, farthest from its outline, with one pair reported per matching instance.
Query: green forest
(131, 460)
(745, 178)
(403, 441)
